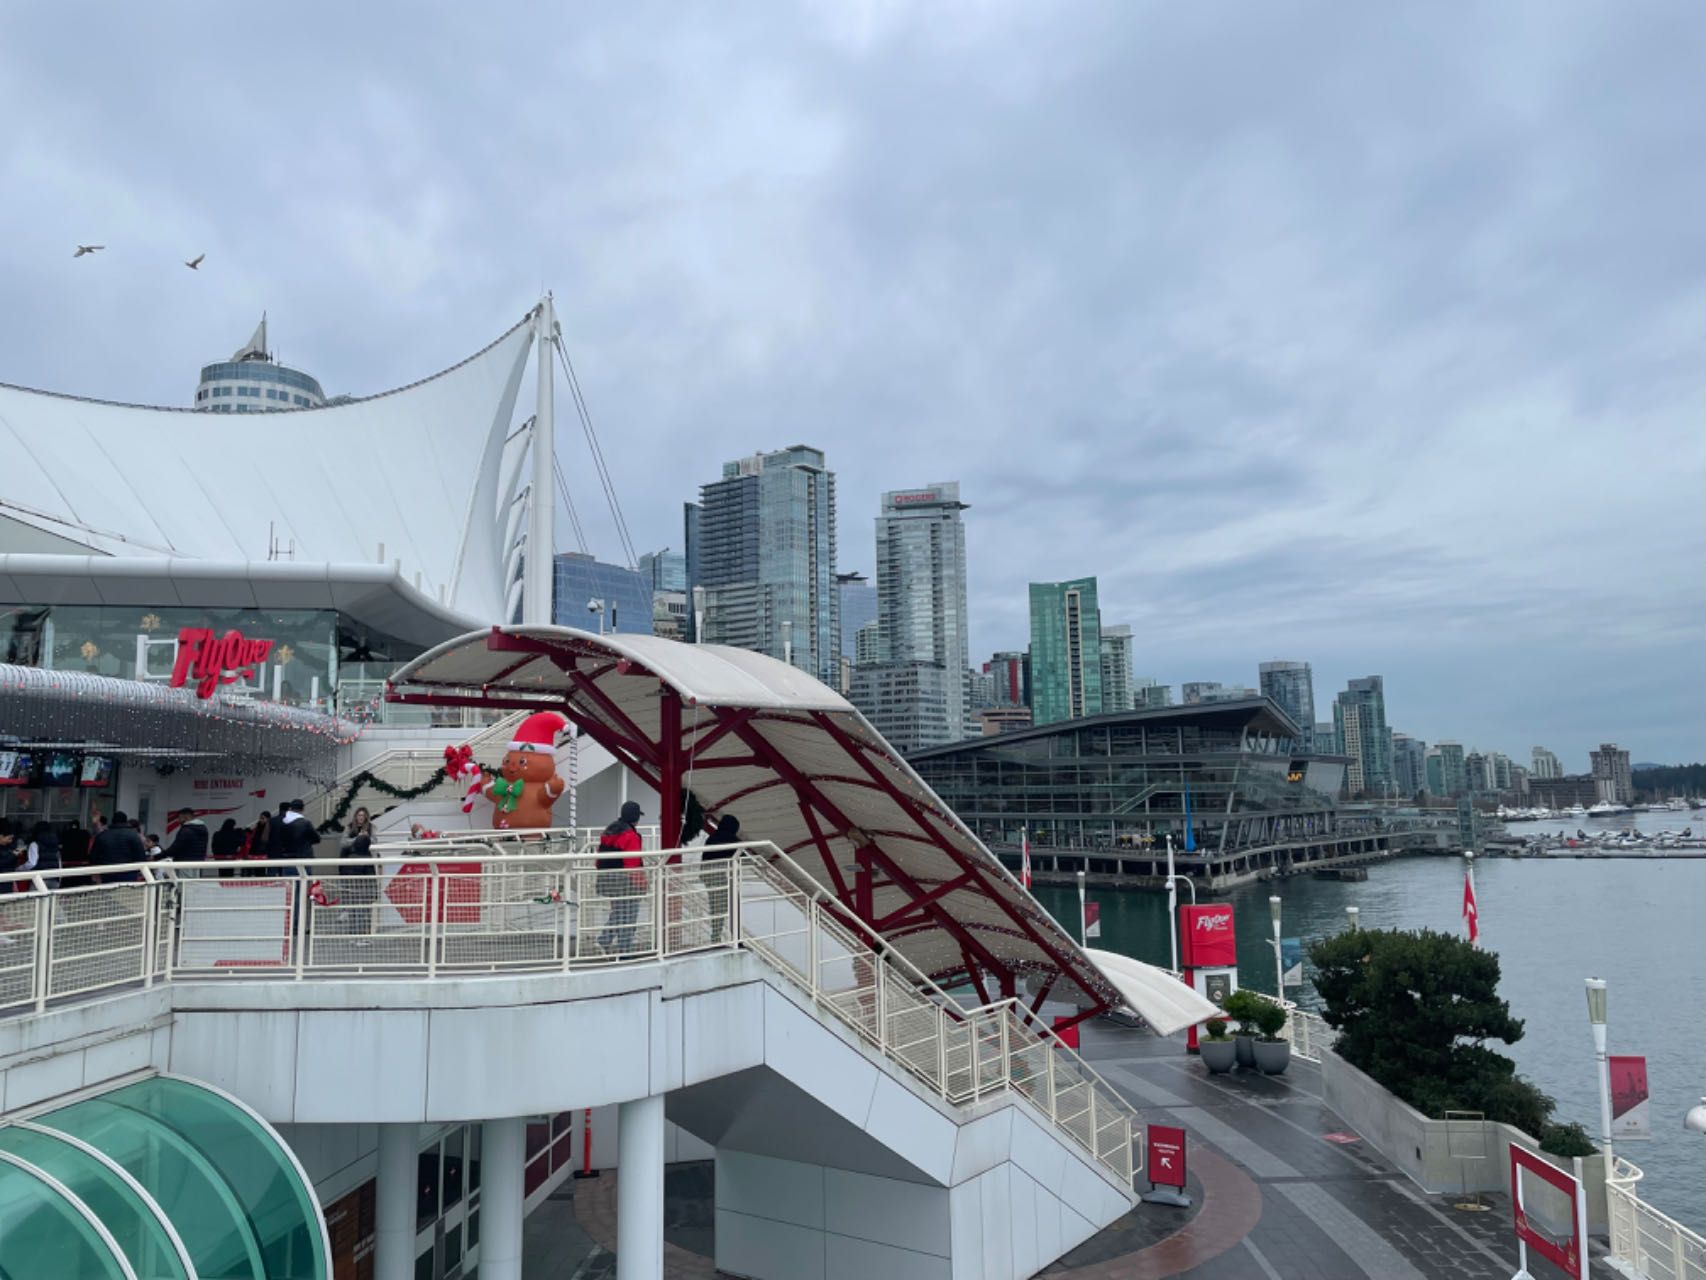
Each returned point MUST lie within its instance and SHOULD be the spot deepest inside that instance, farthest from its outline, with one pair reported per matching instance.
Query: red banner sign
(1568, 1253)
(1630, 1116)
(1206, 939)
(1166, 1158)
(213, 662)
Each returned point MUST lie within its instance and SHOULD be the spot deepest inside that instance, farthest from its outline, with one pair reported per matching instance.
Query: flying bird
(195, 262)
(87, 248)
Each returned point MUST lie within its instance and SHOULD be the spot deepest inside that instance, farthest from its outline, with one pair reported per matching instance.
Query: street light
(1279, 961)
(1596, 1018)
(1695, 1120)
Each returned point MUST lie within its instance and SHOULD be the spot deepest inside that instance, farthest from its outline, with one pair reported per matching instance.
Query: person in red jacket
(621, 879)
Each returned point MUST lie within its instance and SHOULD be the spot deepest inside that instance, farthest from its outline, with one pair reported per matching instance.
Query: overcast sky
(1363, 335)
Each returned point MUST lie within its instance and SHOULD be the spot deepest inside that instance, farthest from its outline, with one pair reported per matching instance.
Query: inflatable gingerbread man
(528, 783)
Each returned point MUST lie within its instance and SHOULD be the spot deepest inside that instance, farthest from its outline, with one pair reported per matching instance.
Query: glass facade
(1292, 686)
(318, 659)
(1066, 651)
(1359, 726)
(624, 596)
(761, 542)
(233, 1197)
(1120, 782)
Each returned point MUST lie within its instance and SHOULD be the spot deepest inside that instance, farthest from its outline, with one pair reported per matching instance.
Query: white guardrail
(506, 903)
(1308, 1032)
(1647, 1242)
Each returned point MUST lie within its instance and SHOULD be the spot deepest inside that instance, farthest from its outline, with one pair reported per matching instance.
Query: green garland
(367, 778)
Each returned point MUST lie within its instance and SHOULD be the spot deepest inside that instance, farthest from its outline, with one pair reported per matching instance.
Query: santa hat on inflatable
(538, 732)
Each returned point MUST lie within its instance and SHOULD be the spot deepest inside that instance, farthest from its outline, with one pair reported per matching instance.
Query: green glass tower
(1066, 651)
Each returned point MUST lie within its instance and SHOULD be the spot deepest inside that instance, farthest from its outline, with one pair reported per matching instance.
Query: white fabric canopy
(799, 766)
(417, 470)
(1155, 995)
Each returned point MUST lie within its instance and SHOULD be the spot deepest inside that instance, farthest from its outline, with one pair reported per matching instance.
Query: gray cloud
(1337, 333)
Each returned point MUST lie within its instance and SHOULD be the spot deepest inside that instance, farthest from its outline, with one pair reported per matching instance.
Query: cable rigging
(598, 461)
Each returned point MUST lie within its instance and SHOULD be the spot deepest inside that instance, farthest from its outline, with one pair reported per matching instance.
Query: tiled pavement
(1272, 1198)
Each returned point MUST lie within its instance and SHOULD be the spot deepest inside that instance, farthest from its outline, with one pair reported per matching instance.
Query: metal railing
(1648, 1242)
(406, 767)
(501, 902)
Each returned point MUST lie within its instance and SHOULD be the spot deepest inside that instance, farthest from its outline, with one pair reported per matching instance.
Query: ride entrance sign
(1165, 1158)
(1551, 1214)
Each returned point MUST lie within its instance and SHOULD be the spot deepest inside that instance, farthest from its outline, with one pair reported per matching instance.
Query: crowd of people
(119, 842)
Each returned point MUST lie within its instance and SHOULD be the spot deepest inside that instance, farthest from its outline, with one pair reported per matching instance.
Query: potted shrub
(1273, 1055)
(1242, 1006)
(1218, 1052)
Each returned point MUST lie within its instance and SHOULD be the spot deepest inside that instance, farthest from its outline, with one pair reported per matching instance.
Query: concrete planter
(1272, 1056)
(1219, 1056)
(1246, 1051)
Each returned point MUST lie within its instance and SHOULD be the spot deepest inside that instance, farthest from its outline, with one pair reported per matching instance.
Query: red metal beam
(1042, 995)
(726, 723)
(976, 981)
(823, 850)
(918, 904)
(915, 812)
(669, 767)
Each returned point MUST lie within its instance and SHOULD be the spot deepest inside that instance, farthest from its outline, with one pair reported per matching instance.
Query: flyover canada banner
(1630, 1116)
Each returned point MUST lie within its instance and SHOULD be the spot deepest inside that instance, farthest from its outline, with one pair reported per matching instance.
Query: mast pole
(542, 501)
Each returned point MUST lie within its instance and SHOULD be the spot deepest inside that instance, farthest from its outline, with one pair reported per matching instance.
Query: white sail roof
(417, 469)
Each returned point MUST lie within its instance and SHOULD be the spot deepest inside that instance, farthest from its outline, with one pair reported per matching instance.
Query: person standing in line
(227, 841)
(189, 843)
(716, 867)
(358, 890)
(297, 838)
(257, 844)
(74, 846)
(116, 845)
(43, 855)
(9, 851)
(621, 878)
(151, 846)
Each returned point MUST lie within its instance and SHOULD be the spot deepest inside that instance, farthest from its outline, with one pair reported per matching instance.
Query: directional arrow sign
(1166, 1156)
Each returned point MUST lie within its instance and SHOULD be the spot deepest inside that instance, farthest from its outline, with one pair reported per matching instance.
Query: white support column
(399, 1174)
(542, 502)
(503, 1147)
(639, 1190)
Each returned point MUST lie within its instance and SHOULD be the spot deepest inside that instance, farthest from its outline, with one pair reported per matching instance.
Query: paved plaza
(1273, 1198)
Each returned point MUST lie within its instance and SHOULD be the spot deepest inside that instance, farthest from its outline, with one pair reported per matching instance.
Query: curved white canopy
(799, 766)
(1155, 995)
(87, 476)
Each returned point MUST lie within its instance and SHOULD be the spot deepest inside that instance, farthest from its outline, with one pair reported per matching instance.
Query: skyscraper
(858, 606)
(1453, 776)
(665, 570)
(1359, 719)
(1066, 651)
(1012, 675)
(1546, 764)
(915, 694)
(596, 596)
(1612, 778)
(1292, 686)
(1409, 765)
(761, 541)
(1146, 693)
(1117, 694)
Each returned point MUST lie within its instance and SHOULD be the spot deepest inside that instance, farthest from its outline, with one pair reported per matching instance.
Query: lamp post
(1279, 962)
(1596, 1018)
(1172, 905)
(1351, 914)
(1082, 940)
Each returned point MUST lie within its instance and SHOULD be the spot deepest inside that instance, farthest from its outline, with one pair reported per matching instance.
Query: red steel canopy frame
(799, 766)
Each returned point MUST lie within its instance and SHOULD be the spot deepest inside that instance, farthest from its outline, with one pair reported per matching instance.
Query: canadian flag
(1471, 915)
(1025, 858)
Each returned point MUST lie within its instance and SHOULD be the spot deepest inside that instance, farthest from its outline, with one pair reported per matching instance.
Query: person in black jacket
(43, 853)
(116, 845)
(190, 842)
(227, 841)
(715, 870)
(296, 837)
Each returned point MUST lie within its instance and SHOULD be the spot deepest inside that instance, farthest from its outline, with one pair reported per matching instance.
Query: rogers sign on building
(1206, 937)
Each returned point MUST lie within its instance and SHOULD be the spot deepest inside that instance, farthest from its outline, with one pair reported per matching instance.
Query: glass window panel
(42, 1234)
(453, 1169)
(139, 1233)
(426, 1191)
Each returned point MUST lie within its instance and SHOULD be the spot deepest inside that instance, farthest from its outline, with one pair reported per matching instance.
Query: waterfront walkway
(1277, 1192)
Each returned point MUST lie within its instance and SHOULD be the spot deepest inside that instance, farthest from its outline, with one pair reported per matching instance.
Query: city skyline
(1395, 336)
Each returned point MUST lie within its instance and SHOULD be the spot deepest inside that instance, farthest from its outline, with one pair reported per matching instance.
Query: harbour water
(1635, 923)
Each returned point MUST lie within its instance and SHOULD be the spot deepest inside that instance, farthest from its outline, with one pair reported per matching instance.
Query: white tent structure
(186, 499)
(744, 734)
(1155, 995)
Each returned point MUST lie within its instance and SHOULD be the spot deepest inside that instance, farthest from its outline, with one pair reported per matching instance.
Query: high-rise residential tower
(858, 606)
(1359, 720)
(1012, 675)
(1292, 686)
(1546, 764)
(761, 542)
(1613, 780)
(1453, 773)
(1066, 651)
(1409, 765)
(1117, 691)
(915, 694)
